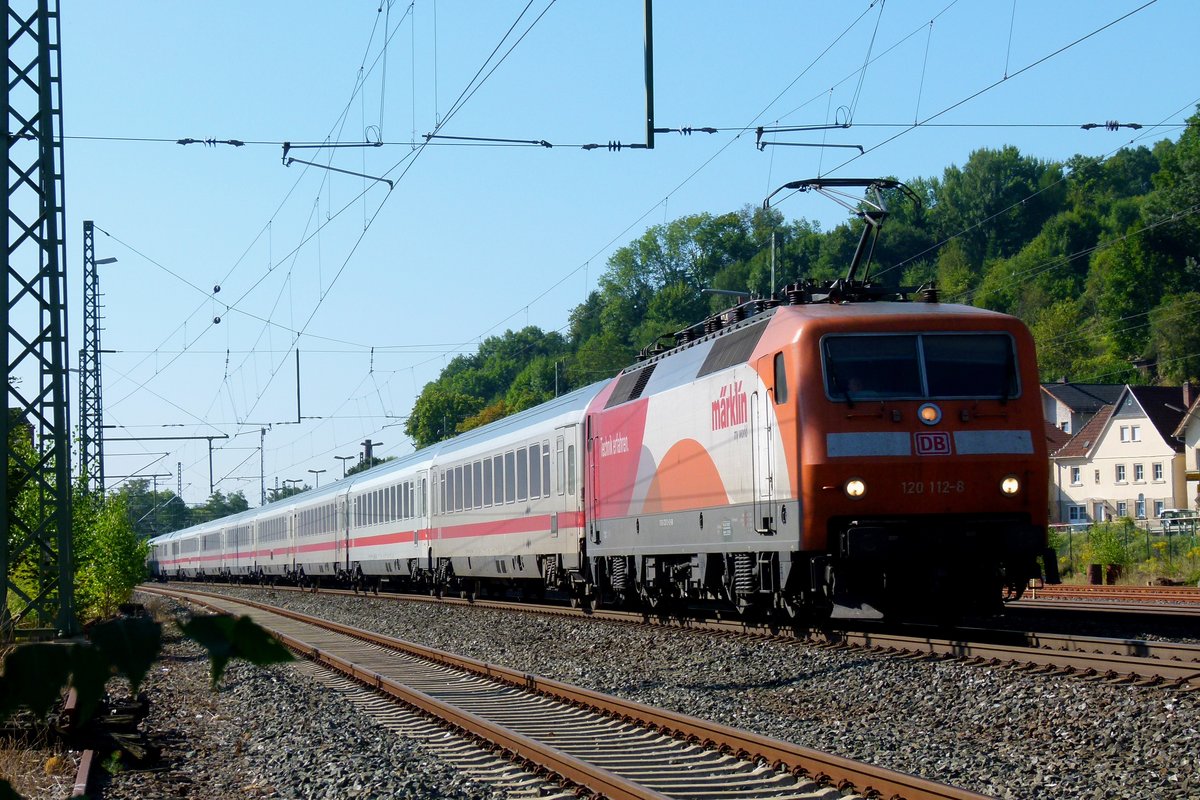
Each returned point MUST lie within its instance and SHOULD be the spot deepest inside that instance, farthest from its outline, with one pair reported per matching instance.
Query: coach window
(468, 487)
(498, 479)
(421, 497)
(488, 484)
(522, 474)
(546, 468)
(478, 468)
(510, 477)
(571, 469)
(449, 508)
(458, 488)
(562, 464)
(781, 388)
(535, 473)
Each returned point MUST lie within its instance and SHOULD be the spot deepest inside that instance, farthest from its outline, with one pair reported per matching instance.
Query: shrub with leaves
(1106, 545)
(36, 675)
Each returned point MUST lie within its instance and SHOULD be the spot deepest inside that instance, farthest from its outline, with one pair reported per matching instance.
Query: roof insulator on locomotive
(929, 293)
(797, 293)
(712, 324)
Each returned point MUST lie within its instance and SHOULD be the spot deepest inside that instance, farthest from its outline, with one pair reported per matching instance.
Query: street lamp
(344, 459)
(292, 481)
(317, 473)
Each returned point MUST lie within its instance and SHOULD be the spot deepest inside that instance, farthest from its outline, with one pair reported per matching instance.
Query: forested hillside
(1100, 257)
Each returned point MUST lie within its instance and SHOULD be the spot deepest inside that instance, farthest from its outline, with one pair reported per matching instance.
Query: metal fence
(1166, 551)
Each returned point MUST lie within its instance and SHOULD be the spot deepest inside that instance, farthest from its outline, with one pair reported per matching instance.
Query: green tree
(110, 557)
(363, 465)
(290, 490)
(1175, 338)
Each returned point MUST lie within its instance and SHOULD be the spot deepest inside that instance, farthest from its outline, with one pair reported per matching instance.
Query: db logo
(932, 444)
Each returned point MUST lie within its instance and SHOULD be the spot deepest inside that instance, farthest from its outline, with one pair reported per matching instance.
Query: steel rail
(844, 773)
(596, 780)
(1154, 663)
(1111, 605)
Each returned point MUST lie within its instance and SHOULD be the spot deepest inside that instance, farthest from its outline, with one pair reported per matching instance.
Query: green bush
(1106, 544)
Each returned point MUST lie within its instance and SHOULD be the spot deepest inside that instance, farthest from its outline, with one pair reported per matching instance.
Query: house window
(1136, 433)
(1075, 477)
(1158, 507)
(1158, 473)
(1122, 509)
(1141, 507)
(1077, 514)
(1121, 475)
(1124, 433)
(1139, 472)
(1097, 476)
(1065, 427)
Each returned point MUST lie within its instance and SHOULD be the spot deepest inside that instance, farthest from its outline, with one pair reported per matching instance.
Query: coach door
(566, 479)
(341, 535)
(762, 456)
(590, 490)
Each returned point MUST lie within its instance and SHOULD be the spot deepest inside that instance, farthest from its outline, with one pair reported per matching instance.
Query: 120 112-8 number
(933, 487)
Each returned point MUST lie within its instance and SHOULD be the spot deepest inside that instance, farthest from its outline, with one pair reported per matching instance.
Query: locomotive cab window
(781, 387)
(918, 366)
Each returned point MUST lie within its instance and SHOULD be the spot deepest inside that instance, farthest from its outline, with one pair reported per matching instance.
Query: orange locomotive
(863, 454)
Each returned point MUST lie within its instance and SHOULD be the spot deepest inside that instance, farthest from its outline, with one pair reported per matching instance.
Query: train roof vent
(630, 386)
(732, 348)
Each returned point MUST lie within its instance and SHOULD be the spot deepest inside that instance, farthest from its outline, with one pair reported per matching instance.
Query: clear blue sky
(379, 289)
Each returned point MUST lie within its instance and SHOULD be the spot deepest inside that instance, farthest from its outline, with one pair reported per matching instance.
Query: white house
(1126, 461)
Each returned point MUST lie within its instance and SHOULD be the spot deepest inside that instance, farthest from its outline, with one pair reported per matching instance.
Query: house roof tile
(1081, 443)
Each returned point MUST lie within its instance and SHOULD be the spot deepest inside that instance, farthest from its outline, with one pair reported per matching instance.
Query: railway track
(1149, 663)
(1185, 595)
(603, 745)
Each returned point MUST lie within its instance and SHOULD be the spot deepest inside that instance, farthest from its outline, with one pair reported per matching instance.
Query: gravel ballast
(995, 731)
(270, 732)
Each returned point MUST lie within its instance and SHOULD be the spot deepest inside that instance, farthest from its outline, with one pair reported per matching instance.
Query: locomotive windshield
(919, 366)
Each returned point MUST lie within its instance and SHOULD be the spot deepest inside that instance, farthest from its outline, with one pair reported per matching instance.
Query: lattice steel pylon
(35, 500)
(91, 401)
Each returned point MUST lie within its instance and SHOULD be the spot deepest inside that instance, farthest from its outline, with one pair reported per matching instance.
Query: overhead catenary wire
(569, 275)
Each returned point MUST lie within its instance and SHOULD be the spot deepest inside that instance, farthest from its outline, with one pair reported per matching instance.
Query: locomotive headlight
(930, 414)
(855, 488)
(1010, 485)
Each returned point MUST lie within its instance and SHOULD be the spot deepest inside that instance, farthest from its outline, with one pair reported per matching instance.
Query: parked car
(1179, 520)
